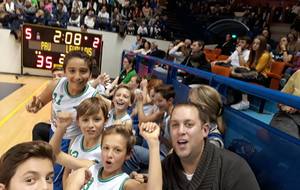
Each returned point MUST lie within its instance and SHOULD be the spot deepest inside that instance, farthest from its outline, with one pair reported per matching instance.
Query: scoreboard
(45, 47)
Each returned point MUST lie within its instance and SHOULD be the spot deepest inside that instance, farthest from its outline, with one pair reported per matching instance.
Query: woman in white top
(145, 50)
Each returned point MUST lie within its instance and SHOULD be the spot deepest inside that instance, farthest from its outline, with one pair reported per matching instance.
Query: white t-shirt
(113, 183)
(234, 57)
(111, 118)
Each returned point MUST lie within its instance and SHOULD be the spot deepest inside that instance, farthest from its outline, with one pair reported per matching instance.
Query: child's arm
(101, 79)
(77, 179)
(150, 132)
(144, 87)
(63, 121)
(134, 112)
(38, 102)
(66, 174)
(146, 118)
(128, 124)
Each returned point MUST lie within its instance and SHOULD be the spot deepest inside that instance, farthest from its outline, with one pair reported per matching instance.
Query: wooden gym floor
(15, 122)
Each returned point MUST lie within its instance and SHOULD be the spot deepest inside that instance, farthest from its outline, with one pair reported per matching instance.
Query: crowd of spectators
(204, 13)
(142, 17)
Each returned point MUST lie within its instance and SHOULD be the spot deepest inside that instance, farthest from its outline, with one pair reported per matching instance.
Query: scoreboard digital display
(45, 47)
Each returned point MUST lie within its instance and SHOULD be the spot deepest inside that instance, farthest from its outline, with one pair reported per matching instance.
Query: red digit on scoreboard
(40, 61)
(49, 62)
(96, 42)
(28, 34)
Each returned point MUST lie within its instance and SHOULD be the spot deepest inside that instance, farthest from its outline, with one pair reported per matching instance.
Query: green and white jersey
(112, 118)
(63, 101)
(113, 183)
(77, 150)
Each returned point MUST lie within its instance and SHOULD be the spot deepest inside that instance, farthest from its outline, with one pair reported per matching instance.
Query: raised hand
(150, 131)
(138, 177)
(103, 79)
(35, 105)
(144, 83)
(139, 96)
(181, 44)
(239, 49)
(63, 120)
(78, 178)
(283, 47)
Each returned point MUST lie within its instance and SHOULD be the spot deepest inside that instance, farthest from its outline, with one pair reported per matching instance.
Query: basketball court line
(21, 105)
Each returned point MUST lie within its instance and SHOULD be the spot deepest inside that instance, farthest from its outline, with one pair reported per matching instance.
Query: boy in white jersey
(122, 99)
(66, 94)
(117, 142)
(91, 116)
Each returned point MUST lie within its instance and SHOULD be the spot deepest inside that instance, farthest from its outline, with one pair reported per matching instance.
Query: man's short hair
(245, 38)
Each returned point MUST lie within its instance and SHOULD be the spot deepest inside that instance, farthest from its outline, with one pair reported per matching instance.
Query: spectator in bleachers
(136, 13)
(116, 18)
(163, 100)
(19, 4)
(170, 57)
(90, 19)
(103, 18)
(145, 50)
(77, 6)
(122, 28)
(157, 31)
(126, 74)
(293, 43)
(288, 118)
(195, 162)
(179, 52)
(102, 3)
(10, 7)
(208, 97)
(48, 6)
(270, 42)
(137, 44)
(131, 27)
(147, 11)
(91, 4)
(155, 52)
(39, 17)
(65, 9)
(281, 53)
(35, 3)
(256, 69)
(29, 11)
(196, 59)
(153, 20)
(293, 67)
(129, 14)
(68, 4)
(74, 19)
(228, 46)
(295, 11)
(59, 17)
(240, 56)
(16, 20)
(125, 5)
(142, 29)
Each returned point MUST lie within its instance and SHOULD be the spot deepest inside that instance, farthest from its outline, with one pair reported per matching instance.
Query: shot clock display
(45, 47)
